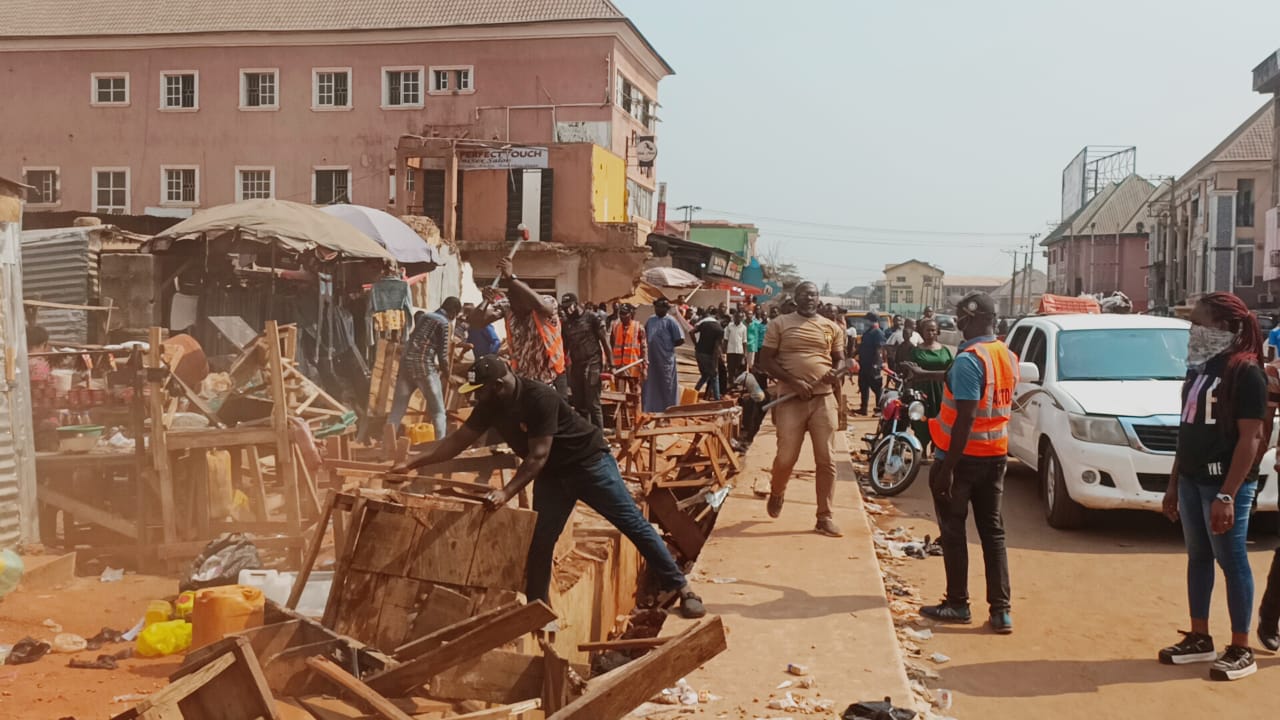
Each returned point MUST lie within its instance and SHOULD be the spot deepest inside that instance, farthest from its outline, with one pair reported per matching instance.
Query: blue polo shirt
(967, 377)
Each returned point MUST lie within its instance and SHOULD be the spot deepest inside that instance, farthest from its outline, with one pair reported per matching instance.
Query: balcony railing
(1266, 77)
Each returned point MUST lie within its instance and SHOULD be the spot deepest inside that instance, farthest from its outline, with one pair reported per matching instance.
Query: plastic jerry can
(688, 396)
(158, 611)
(220, 611)
(421, 433)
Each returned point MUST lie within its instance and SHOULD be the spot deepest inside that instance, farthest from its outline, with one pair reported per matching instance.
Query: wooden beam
(430, 642)
(380, 705)
(84, 511)
(193, 548)
(313, 551)
(285, 469)
(159, 440)
(613, 695)
(628, 644)
(204, 439)
(505, 628)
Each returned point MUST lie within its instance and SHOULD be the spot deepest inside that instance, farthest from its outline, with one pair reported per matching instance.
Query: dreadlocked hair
(1245, 350)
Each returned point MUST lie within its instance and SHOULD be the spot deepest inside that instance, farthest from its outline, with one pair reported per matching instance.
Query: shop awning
(737, 288)
(294, 226)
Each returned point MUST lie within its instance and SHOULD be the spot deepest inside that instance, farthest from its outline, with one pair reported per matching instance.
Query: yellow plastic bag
(164, 638)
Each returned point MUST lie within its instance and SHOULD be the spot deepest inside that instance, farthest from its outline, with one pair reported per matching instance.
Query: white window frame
(318, 168)
(244, 88)
(57, 184)
(128, 187)
(254, 168)
(164, 74)
(422, 87)
(164, 187)
(431, 75)
(93, 89)
(315, 89)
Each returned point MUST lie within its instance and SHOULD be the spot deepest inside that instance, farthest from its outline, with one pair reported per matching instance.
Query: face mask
(1206, 343)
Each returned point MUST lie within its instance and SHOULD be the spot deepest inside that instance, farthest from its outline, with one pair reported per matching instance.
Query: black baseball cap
(976, 303)
(662, 302)
(487, 369)
(626, 308)
(568, 299)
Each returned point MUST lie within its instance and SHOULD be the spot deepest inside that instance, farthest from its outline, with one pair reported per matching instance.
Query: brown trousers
(791, 420)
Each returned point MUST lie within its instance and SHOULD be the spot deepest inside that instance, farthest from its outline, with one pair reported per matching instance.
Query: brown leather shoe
(826, 527)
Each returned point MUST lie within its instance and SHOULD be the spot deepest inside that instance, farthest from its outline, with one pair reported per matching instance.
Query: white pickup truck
(1097, 411)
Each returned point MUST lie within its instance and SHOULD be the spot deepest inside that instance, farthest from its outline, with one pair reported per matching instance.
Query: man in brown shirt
(802, 350)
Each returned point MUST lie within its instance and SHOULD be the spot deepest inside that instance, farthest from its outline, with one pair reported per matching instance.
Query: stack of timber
(423, 622)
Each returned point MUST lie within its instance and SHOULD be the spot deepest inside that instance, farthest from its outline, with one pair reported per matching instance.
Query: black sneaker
(691, 606)
(947, 613)
(1237, 662)
(1194, 648)
(774, 506)
(1269, 634)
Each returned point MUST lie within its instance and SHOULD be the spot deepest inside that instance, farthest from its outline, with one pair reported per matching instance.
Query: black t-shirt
(709, 335)
(1205, 447)
(581, 340)
(538, 411)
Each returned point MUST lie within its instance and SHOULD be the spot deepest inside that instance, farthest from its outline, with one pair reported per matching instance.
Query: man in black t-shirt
(567, 460)
(707, 348)
(587, 342)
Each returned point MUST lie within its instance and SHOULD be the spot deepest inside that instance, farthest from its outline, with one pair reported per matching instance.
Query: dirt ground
(1091, 608)
(48, 688)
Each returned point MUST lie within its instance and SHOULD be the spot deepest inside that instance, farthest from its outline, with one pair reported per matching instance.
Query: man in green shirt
(755, 337)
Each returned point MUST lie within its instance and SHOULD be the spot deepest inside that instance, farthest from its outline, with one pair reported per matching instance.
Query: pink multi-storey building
(157, 107)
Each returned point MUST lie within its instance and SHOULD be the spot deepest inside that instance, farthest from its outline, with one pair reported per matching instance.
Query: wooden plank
(380, 705)
(628, 644)
(168, 697)
(685, 533)
(219, 438)
(498, 676)
(84, 511)
(556, 687)
(280, 424)
(193, 548)
(449, 633)
(159, 441)
(331, 708)
(313, 551)
(507, 627)
(499, 713)
(345, 551)
(502, 548)
(617, 693)
(443, 607)
(675, 430)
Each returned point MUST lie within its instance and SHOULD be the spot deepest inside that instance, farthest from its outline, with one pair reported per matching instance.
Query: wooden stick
(628, 644)
(381, 705)
(317, 540)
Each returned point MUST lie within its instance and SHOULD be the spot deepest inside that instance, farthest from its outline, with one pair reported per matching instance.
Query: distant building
(1209, 234)
(1016, 298)
(911, 286)
(1102, 247)
(957, 286)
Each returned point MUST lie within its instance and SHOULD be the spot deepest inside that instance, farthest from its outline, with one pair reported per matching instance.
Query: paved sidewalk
(799, 597)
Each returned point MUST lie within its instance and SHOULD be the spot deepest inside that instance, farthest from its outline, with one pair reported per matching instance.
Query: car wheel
(1059, 509)
(1264, 524)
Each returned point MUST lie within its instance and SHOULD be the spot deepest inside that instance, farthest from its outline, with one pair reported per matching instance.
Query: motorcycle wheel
(893, 471)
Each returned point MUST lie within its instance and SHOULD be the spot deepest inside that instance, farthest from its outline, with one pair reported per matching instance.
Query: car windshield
(1115, 354)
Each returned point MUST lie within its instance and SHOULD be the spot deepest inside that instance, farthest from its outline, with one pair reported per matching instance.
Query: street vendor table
(83, 487)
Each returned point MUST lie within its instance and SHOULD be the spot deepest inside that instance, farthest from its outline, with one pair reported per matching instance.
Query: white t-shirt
(735, 337)
(896, 338)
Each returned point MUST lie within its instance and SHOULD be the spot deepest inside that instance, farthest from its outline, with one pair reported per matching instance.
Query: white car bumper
(1130, 479)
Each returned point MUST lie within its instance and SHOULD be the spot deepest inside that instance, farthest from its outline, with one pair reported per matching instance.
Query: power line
(888, 242)
(861, 228)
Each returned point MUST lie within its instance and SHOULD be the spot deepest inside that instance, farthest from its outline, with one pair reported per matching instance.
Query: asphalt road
(1091, 608)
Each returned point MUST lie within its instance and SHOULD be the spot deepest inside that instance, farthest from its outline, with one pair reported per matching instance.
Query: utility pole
(1026, 275)
(689, 210)
(1013, 284)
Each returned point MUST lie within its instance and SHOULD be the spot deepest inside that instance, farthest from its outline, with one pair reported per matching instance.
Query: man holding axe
(803, 350)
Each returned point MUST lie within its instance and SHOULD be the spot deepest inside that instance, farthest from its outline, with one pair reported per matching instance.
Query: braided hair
(1245, 350)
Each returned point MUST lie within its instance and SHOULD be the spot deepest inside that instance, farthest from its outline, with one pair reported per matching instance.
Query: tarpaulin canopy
(737, 288)
(1064, 305)
(669, 277)
(403, 242)
(293, 226)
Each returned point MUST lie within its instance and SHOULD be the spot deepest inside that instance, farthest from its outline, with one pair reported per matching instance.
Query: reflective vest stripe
(626, 343)
(989, 436)
(552, 342)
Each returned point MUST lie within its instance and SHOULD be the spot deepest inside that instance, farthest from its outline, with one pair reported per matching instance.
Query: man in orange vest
(626, 337)
(971, 434)
(533, 330)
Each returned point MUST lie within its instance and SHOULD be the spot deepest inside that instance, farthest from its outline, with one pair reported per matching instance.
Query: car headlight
(1098, 429)
(916, 410)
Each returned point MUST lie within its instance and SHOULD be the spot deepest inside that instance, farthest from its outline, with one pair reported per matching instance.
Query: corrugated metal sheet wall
(62, 266)
(18, 520)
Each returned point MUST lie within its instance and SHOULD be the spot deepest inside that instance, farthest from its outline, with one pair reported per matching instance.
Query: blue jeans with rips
(599, 484)
(1204, 547)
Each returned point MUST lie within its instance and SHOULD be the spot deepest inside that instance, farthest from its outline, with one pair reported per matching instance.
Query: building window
(452, 79)
(179, 90)
(111, 191)
(909, 295)
(44, 185)
(259, 89)
(330, 186)
(635, 103)
(179, 185)
(410, 180)
(1244, 203)
(900, 278)
(402, 87)
(110, 89)
(255, 183)
(639, 200)
(331, 89)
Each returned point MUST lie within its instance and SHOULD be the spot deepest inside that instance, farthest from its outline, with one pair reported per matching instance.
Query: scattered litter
(939, 658)
(221, 561)
(105, 636)
(27, 650)
(4, 652)
(785, 684)
(104, 662)
(132, 633)
(683, 694)
(164, 638)
(786, 702)
(797, 669)
(806, 682)
(873, 508)
(942, 699)
(131, 697)
(878, 710)
(69, 643)
(53, 626)
(920, 635)
(724, 580)
(918, 672)
(111, 575)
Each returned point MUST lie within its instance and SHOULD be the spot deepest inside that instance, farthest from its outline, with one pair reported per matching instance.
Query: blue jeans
(709, 369)
(598, 483)
(1203, 547)
(431, 390)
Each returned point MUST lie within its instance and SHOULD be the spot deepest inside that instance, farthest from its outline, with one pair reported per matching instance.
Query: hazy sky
(933, 116)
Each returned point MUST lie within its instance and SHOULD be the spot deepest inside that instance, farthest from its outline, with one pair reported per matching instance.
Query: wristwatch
(1224, 498)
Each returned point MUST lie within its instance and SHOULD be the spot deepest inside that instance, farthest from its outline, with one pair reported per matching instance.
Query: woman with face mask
(1214, 477)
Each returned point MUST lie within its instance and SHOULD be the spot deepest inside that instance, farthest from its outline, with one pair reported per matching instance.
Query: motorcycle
(894, 451)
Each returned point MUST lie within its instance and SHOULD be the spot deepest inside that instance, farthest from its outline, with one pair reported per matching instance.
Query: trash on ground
(103, 662)
(221, 561)
(27, 650)
(785, 684)
(105, 636)
(877, 710)
(942, 699)
(920, 635)
(939, 658)
(131, 697)
(111, 575)
(69, 643)
(797, 669)
(164, 638)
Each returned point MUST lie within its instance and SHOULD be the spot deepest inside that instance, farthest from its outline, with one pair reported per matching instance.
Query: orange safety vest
(552, 342)
(990, 434)
(626, 343)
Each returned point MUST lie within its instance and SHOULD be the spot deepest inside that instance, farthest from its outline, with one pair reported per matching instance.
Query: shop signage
(514, 158)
